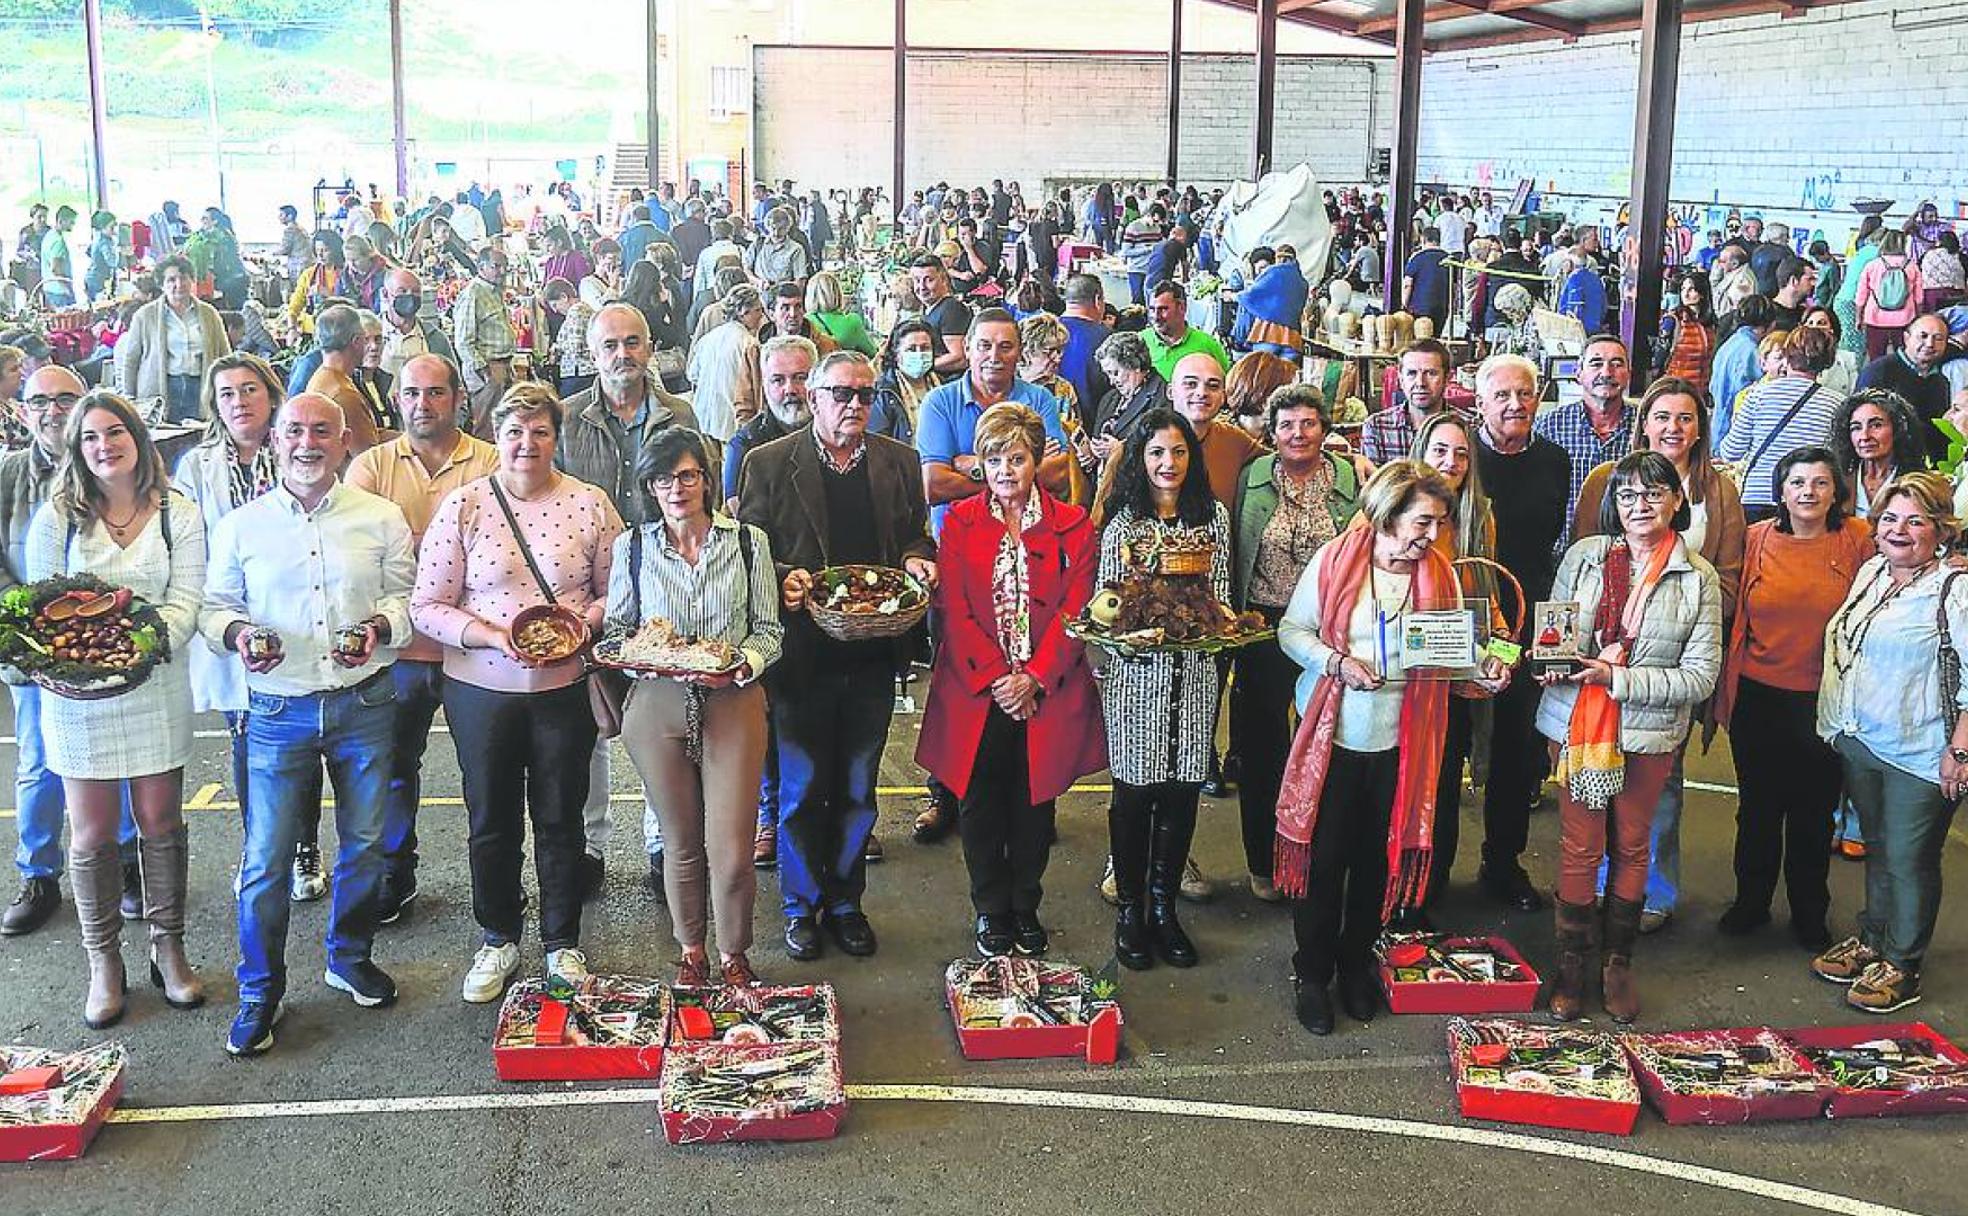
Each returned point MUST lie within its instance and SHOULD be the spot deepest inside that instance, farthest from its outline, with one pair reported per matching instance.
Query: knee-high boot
(166, 860)
(1173, 831)
(1128, 836)
(1578, 926)
(1621, 998)
(97, 876)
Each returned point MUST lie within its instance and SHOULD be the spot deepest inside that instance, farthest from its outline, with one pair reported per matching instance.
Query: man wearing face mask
(484, 335)
(1597, 428)
(406, 332)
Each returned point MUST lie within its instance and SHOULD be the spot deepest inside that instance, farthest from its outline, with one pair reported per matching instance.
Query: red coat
(1065, 739)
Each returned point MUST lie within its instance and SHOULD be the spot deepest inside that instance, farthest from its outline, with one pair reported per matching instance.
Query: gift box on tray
(608, 1028)
(714, 1093)
(1013, 1008)
(1891, 1068)
(1545, 1076)
(1744, 1075)
(53, 1103)
(761, 1016)
(1450, 973)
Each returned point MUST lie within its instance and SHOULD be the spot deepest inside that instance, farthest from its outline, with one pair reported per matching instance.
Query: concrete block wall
(821, 115)
(1792, 119)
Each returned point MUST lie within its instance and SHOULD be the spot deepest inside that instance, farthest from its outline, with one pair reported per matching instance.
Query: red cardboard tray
(1679, 1107)
(66, 1117)
(1573, 1112)
(817, 1117)
(697, 1013)
(1851, 1103)
(1451, 996)
(518, 1057)
(1098, 1038)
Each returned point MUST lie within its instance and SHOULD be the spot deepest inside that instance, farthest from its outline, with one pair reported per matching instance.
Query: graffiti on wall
(1819, 191)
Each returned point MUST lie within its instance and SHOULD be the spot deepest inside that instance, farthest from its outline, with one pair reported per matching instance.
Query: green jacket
(26, 479)
(1257, 502)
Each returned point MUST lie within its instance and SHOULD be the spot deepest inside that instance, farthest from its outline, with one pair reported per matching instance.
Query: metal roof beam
(1564, 26)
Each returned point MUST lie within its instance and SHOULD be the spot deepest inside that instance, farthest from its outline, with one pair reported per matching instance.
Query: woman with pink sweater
(1888, 297)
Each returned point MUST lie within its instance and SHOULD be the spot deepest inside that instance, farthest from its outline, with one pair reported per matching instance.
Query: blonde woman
(827, 308)
(1042, 341)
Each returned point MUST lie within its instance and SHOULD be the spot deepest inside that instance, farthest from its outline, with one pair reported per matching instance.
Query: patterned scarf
(1343, 568)
(249, 483)
(1591, 764)
(1011, 585)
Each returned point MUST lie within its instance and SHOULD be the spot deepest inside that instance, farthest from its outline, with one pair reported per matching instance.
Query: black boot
(1128, 838)
(1171, 853)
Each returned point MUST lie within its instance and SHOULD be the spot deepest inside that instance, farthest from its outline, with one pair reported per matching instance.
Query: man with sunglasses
(27, 477)
(831, 494)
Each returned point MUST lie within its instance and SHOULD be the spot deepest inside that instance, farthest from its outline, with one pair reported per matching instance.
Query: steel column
(1267, 85)
(898, 190)
(399, 127)
(98, 107)
(653, 160)
(1642, 260)
(1401, 191)
(1174, 91)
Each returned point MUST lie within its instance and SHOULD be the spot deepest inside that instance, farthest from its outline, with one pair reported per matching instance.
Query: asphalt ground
(1220, 1099)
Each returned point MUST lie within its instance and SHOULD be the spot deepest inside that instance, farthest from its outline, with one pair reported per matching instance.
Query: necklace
(1848, 636)
(119, 531)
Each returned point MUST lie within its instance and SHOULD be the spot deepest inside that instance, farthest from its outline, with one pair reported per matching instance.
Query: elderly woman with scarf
(1356, 809)
(1652, 654)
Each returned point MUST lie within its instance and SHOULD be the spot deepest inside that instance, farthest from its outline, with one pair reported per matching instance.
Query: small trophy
(1555, 636)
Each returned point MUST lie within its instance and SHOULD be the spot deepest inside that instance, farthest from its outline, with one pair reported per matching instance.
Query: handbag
(1950, 660)
(608, 687)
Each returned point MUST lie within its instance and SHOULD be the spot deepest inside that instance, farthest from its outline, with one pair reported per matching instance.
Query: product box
(1886, 1068)
(1746, 1075)
(609, 1028)
(52, 1104)
(754, 1017)
(1546, 1076)
(715, 1094)
(1013, 1008)
(1446, 973)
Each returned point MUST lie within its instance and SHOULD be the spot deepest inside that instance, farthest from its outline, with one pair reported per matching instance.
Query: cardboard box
(1456, 995)
(57, 1122)
(1849, 1101)
(754, 1017)
(540, 1038)
(1485, 1088)
(1795, 1090)
(799, 1094)
(1050, 1009)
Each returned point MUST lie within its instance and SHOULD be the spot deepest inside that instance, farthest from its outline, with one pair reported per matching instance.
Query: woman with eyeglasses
(698, 741)
(1652, 648)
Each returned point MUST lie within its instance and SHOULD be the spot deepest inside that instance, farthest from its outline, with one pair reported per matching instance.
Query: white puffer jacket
(1676, 657)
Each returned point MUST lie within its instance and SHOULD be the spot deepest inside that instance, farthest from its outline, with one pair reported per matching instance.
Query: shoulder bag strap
(1777, 430)
(635, 577)
(1950, 658)
(745, 562)
(525, 550)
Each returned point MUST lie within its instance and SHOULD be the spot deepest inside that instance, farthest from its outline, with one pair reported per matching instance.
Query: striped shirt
(1760, 429)
(706, 600)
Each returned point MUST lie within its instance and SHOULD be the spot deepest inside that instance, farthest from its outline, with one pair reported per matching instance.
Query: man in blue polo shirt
(947, 426)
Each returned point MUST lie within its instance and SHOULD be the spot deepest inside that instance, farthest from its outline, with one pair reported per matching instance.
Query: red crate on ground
(1787, 1087)
(1012, 1008)
(716, 1094)
(612, 1028)
(1857, 1092)
(754, 1017)
(1545, 1076)
(43, 1121)
(1407, 994)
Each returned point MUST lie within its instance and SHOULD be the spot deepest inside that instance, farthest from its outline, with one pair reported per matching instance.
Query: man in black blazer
(830, 494)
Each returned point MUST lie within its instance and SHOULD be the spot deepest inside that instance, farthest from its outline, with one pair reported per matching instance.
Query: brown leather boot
(1577, 926)
(165, 862)
(97, 877)
(1622, 998)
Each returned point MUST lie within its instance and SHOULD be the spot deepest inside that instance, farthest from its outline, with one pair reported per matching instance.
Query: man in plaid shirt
(1389, 432)
(1599, 426)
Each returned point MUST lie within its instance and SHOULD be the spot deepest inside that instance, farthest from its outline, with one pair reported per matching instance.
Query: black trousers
(1150, 823)
(1517, 771)
(1448, 797)
(1789, 783)
(1261, 721)
(524, 754)
(1339, 918)
(1007, 839)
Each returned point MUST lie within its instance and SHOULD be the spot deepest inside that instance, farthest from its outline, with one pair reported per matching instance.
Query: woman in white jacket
(1650, 613)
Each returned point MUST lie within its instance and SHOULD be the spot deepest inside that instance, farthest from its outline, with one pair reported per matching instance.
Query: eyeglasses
(64, 401)
(689, 479)
(1655, 496)
(844, 393)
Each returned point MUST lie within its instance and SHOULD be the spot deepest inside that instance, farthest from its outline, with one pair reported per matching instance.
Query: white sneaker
(491, 970)
(1108, 891)
(569, 966)
(1195, 888)
(308, 883)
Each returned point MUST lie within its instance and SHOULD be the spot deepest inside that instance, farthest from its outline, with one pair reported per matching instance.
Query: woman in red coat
(1013, 719)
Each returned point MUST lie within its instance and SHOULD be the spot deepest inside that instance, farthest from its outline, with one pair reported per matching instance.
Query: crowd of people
(691, 417)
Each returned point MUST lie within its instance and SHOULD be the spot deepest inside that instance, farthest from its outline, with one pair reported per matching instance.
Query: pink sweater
(470, 569)
(1866, 301)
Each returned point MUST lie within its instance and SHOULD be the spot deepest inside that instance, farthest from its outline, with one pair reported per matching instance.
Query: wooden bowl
(568, 633)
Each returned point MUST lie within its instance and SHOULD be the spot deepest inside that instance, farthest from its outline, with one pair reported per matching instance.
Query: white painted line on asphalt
(1053, 1099)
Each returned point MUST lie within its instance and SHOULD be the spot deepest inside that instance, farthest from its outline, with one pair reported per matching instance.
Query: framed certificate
(1444, 643)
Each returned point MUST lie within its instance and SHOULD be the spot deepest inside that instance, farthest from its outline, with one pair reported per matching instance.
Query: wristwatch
(976, 472)
(1960, 754)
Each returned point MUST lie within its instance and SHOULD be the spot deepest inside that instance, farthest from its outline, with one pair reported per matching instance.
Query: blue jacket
(1736, 368)
(1584, 297)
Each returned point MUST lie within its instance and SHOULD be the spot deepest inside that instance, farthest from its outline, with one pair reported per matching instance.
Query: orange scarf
(1343, 567)
(1591, 765)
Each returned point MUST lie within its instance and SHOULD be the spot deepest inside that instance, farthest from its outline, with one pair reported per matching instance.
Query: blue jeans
(287, 738)
(831, 730)
(1664, 870)
(1137, 287)
(1845, 823)
(40, 807)
(769, 779)
(419, 694)
(181, 403)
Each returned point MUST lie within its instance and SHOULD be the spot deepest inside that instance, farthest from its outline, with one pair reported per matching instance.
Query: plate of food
(658, 648)
(548, 633)
(859, 603)
(79, 637)
(1155, 613)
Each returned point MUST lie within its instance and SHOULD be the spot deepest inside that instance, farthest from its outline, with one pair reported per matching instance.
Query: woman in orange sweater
(1797, 569)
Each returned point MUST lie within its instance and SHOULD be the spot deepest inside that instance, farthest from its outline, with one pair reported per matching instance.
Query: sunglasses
(842, 393)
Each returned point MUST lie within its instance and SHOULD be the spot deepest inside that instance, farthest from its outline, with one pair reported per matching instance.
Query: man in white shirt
(406, 334)
(721, 246)
(310, 585)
